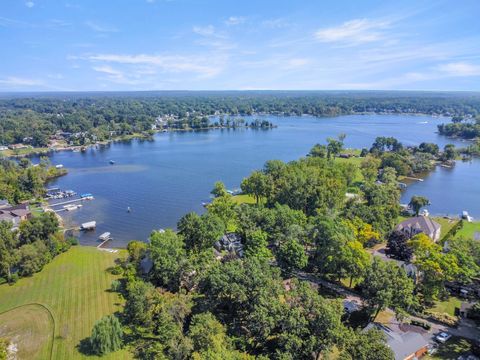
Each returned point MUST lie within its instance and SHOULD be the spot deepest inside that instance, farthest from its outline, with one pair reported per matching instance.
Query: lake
(162, 180)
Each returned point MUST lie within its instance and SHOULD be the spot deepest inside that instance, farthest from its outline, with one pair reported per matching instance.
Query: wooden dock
(67, 202)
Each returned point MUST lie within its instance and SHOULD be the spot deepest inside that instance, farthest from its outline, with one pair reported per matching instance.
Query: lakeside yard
(63, 302)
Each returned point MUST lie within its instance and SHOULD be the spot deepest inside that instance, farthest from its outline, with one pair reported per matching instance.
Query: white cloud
(459, 69)
(208, 30)
(275, 23)
(235, 20)
(354, 32)
(20, 82)
(100, 27)
(29, 4)
(204, 66)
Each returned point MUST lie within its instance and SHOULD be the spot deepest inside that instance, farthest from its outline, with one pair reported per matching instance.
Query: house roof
(403, 344)
(421, 223)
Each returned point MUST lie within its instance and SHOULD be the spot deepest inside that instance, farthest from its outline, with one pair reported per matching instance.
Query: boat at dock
(90, 225)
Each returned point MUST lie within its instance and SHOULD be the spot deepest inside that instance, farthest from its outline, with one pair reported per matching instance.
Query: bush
(72, 241)
(116, 270)
(422, 324)
(116, 286)
(442, 318)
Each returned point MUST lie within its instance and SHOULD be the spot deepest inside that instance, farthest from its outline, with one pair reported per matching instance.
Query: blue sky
(50, 45)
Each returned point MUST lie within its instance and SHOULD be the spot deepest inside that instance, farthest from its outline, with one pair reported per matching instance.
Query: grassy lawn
(30, 329)
(74, 287)
(244, 199)
(469, 229)
(447, 306)
(451, 350)
(21, 152)
(446, 225)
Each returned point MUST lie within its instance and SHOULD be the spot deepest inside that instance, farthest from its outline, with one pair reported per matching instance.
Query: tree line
(38, 118)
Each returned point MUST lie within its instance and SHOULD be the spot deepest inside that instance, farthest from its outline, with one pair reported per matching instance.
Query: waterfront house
(406, 345)
(3, 148)
(4, 204)
(230, 242)
(15, 214)
(420, 224)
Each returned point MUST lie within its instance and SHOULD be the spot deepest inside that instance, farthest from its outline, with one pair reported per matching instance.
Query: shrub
(116, 286)
(443, 318)
(72, 241)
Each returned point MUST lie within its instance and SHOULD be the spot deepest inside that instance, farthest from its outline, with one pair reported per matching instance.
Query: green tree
(256, 245)
(219, 189)
(366, 345)
(257, 184)
(106, 335)
(210, 340)
(224, 208)
(8, 243)
(417, 202)
(318, 150)
(449, 152)
(369, 168)
(334, 147)
(201, 232)
(387, 285)
(167, 251)
(291, 255)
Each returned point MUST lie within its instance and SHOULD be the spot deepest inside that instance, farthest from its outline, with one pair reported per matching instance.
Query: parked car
(443, 337)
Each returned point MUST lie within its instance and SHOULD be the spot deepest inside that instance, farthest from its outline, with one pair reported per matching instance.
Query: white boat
(59, 166)
(424, 212)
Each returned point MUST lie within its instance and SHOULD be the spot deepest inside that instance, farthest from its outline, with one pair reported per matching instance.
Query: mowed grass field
(74, 288)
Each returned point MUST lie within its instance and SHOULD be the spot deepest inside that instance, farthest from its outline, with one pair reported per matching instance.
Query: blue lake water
(161, 180)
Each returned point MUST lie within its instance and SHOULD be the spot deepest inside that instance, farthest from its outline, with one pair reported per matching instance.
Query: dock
(70, 201)
(413, 178)
(104, 238)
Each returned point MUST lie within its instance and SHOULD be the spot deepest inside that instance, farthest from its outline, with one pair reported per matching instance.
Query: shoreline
(139, 136)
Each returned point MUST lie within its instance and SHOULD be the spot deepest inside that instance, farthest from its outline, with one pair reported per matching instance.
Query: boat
(90, 225)
(424, 212)
(87, 196)
(105, 236)
(59, 166)
(112, 162)
(466, 216)
(129, 209)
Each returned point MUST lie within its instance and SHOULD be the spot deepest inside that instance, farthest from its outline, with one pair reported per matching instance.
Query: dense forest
(103, 115)
(260, 293)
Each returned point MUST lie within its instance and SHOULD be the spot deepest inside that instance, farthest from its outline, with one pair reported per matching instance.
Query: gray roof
(403, 344)
(421, 223)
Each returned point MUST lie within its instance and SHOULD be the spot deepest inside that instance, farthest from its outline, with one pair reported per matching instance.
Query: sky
(110, 45)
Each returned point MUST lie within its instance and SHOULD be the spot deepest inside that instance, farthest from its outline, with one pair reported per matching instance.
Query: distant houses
(420, 224)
